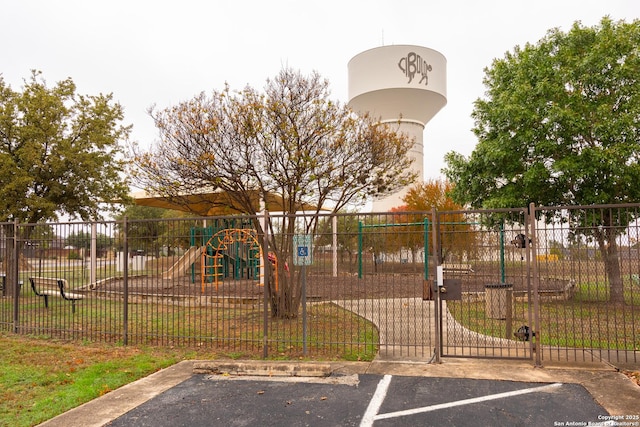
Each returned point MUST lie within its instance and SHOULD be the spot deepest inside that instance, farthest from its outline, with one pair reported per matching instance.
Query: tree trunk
(414, 258)
(285, 300)
(11, 278)
(609, 250)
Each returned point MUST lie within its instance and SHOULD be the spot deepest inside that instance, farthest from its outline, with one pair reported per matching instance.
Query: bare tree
(289, 145)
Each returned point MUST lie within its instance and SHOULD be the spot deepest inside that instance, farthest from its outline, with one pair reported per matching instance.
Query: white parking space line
(376, 402)
(548, 387)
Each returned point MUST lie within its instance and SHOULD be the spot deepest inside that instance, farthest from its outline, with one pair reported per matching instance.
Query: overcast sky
(160, 52)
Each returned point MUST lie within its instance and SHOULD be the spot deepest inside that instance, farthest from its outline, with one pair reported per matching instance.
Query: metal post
(125, 282)
(304, 309)
(438, 308)
(94, 254)
(192, 242)
(532, 260)
(266, 290)
(502, 272)
(426, 249)
(334, 246)
(14, 277)
(263, 265)
(509, 314)
(359, 249)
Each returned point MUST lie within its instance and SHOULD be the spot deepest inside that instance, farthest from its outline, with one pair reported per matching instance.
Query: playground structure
(224, 250)
(185, 261)
(230, 250)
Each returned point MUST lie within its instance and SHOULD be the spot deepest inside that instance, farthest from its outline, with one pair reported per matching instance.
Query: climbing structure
(231, 250)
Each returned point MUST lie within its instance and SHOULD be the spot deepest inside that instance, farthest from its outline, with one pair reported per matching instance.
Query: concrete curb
(266, 368)
(99, 412)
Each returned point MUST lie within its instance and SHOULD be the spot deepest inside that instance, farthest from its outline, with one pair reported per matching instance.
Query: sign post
(303, 256)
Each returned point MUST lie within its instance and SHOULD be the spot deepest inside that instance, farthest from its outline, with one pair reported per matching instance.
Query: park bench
(3, 284)
(457, 268)
(47, 286)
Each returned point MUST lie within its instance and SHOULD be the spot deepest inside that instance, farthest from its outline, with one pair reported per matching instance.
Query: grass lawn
(42, 376)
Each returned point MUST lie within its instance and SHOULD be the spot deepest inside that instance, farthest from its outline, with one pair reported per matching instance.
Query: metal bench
(3, 284)
(457, 268)
(47, 286)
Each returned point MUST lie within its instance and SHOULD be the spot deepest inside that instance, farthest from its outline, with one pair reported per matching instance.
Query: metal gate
(482, 284)
(474, 297)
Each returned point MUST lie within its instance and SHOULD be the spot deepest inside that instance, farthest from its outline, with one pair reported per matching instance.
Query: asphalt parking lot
(364, 400)
(456, 392)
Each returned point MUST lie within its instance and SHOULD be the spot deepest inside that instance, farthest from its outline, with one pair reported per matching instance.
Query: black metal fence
(543, 283)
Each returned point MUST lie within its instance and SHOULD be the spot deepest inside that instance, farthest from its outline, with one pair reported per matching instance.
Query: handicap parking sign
(302, 254)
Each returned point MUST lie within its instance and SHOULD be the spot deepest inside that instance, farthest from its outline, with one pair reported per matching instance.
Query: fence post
(266, 289)
(13, 277)
(509, 314)
(334, 244)
(94, 253)
(502, 266)
(426, 249)
(125, 282)
(532, 253)
(438, 308)
(359, 249)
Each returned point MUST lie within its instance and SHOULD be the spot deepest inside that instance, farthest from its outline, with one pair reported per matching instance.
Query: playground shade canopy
(214, 203)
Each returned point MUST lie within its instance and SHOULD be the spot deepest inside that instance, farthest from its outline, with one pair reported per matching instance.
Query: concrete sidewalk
(407, 327)
(609, 388)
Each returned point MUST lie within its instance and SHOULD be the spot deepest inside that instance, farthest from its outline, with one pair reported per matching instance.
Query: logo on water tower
(413, 64)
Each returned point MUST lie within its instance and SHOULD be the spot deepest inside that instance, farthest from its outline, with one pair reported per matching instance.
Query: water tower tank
(400, 82)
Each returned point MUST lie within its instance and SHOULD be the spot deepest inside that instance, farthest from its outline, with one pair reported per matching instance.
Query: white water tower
(401, 82)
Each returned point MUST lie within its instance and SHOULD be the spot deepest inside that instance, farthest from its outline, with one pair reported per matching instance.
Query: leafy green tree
(178, 229)
(82, 240)
(60, 152)
(289, 145)
(42, 235)
(144, 228)
(556, 248)
(560, 125)
(153, 229)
